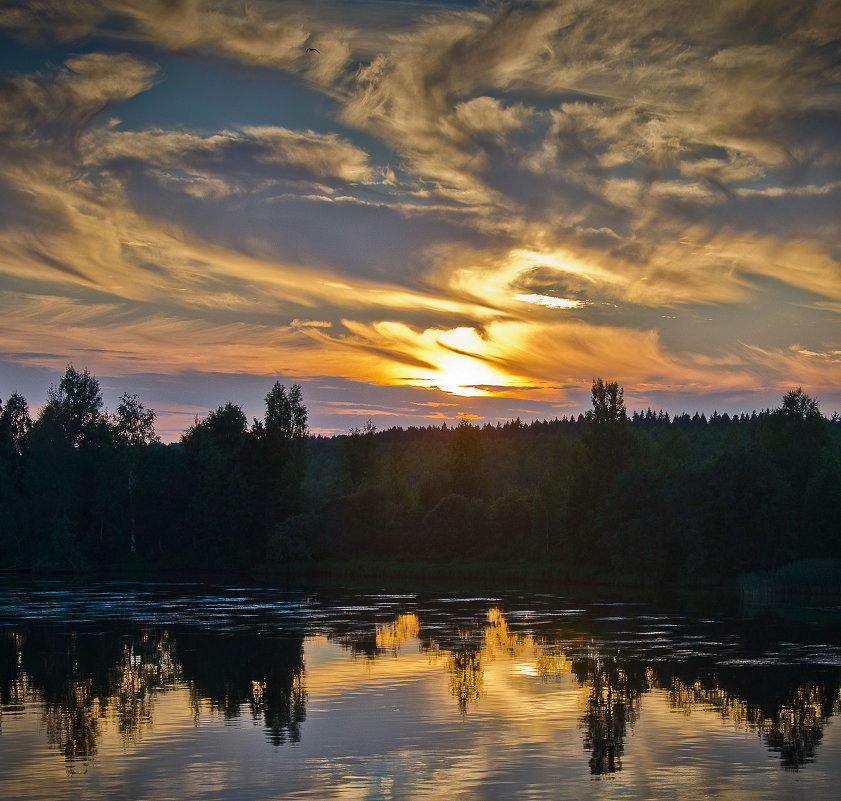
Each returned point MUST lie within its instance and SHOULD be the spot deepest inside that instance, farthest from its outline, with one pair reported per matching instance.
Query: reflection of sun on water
(552, 664)
(486, 643)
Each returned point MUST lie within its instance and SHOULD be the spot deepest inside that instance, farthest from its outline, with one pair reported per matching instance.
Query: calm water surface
(180, 691)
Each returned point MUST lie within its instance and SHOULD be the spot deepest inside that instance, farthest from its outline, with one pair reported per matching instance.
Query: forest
(607, 493)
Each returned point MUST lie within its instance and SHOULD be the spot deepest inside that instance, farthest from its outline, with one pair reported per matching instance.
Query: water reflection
(261, 674)
(465, 667)
(85, 676)
(80, 678)
(789, 717)
(615, 689)
(391, 636)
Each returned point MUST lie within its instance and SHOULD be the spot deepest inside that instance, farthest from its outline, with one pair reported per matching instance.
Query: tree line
(604, 493)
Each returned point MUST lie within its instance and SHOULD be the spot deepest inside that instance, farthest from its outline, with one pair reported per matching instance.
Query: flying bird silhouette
(313, 50)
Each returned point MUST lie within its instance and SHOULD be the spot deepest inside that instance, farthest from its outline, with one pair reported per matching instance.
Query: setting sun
(465, 376)
(461, 362)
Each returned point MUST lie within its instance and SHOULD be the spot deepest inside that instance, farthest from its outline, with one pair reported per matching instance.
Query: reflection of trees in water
(281, 705)
(84, 679)
(466, 654)
(615, 689)
(788, 706)
(80, 679)
(391, 636)
(384, 637)
(148, 664)
(73, 722)
(463, 650)
(465, 667)
(788, 711)
(237, 671)
(788, 714)
(797, 729)
(87, 681)
(12, 682)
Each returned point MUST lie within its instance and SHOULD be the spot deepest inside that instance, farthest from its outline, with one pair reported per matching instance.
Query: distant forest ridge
(603, 494)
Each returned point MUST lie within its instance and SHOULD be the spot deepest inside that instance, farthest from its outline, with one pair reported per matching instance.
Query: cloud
(50, 107)
(326, 155)
(330, 57)
(63, 20)
(228, 29)
(296, 323)
(514, 355)
(238, 154)
(246, 36)
(794, 366)
(489, 115)
(407, 96)
(624, 159)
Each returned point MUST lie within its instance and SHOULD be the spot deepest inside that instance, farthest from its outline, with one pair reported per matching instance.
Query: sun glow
(461, 358)
(465, 376)
(551, 302)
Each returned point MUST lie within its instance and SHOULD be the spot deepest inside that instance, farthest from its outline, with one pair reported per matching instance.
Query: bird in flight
(313, 50)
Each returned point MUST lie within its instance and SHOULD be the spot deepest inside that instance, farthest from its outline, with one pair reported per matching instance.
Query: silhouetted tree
(277, 459)
(133, 422)
(653, 496)
(794, 436)
(608, 403)
(15, 424)
(465, 459)
(75, 405)
(510, 517)
(134, 427)
(219, 510)
(456, 527)
(602, 451)
(286, 415)
(799, 406)
(66, 446)
(359, 453)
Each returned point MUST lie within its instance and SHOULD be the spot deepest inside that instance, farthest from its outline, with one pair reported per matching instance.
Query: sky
(421, 211)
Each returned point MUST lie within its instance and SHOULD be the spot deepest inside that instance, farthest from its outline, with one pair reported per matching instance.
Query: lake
(117, 690)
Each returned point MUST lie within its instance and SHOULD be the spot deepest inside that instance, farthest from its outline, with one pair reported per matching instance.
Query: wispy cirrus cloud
(669, 139)
(640, 162)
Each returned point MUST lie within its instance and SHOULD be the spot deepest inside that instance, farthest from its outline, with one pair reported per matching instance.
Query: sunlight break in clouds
(488, 199)
(552, 303)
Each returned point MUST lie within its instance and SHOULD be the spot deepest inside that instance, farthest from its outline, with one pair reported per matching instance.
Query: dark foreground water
(181, 691)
